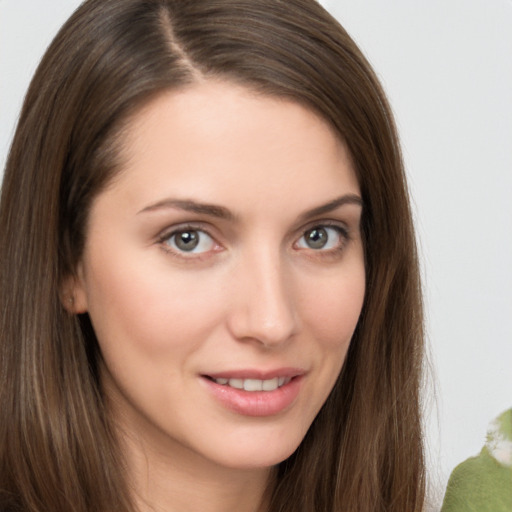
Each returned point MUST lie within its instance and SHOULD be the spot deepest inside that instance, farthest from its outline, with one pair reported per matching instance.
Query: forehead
(220, 140)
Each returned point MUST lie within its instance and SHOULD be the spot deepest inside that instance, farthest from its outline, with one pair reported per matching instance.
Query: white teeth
(236, 383)
(270, 385)
(254, 384)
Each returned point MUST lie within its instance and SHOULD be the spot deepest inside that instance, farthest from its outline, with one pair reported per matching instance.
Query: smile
(254, 393)
(254, 384)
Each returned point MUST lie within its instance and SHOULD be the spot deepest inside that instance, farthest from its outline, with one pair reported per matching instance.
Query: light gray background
(447, 68)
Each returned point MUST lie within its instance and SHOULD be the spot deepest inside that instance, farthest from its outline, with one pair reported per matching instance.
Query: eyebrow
(332, 205)
(223, 213)
(192, 206)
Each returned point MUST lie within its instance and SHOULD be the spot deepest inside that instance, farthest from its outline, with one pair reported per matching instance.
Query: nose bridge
(263, 306)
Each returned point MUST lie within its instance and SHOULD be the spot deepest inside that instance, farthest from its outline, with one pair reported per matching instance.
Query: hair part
(57, 447)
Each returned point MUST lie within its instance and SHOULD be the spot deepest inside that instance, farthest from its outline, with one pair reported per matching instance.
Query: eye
(192, 241)
(323, 238)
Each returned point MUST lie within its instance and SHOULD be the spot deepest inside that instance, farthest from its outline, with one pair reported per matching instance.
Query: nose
(262, 304)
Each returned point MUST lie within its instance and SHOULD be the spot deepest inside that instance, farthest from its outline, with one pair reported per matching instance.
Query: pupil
(187, 240)
(317, 238)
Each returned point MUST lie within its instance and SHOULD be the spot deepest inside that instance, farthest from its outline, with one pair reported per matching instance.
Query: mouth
(256, 393)
(252, 385)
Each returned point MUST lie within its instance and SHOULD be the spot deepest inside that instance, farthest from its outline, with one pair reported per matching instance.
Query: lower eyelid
(341, 232)
(164, 240)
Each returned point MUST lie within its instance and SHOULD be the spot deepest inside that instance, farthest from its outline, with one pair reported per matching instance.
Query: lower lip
(256, 403)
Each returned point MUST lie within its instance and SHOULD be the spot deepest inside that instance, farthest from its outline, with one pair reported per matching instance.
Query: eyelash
(164, 238)
(341, 231)
(163, 241)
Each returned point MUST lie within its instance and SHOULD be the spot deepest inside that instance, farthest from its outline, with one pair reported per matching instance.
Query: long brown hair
(57, 451)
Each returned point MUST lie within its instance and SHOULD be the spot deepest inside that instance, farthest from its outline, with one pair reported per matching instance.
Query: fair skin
(228, 247)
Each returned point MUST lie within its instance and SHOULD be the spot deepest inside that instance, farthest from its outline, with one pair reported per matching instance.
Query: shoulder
(483, 483)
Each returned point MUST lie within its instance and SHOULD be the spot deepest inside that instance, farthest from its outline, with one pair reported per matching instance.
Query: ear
(73, 294)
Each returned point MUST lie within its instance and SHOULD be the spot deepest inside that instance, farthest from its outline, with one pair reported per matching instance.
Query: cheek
(330, 316)
(333, 309)
(330, 306)
(148, 309)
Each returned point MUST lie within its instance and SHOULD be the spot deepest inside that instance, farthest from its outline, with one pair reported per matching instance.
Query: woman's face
(224, 276)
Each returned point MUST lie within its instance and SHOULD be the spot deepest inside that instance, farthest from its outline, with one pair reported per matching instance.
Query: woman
(209, 285)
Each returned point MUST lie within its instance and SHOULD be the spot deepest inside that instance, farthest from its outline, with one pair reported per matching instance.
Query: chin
(256, 451)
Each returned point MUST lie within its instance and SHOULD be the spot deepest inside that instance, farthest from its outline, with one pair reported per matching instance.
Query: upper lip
(257, 374)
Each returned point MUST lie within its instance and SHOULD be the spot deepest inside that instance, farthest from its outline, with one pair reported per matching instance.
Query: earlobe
(73, 296)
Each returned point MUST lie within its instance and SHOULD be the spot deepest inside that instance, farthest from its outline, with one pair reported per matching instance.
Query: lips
(254, 393)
